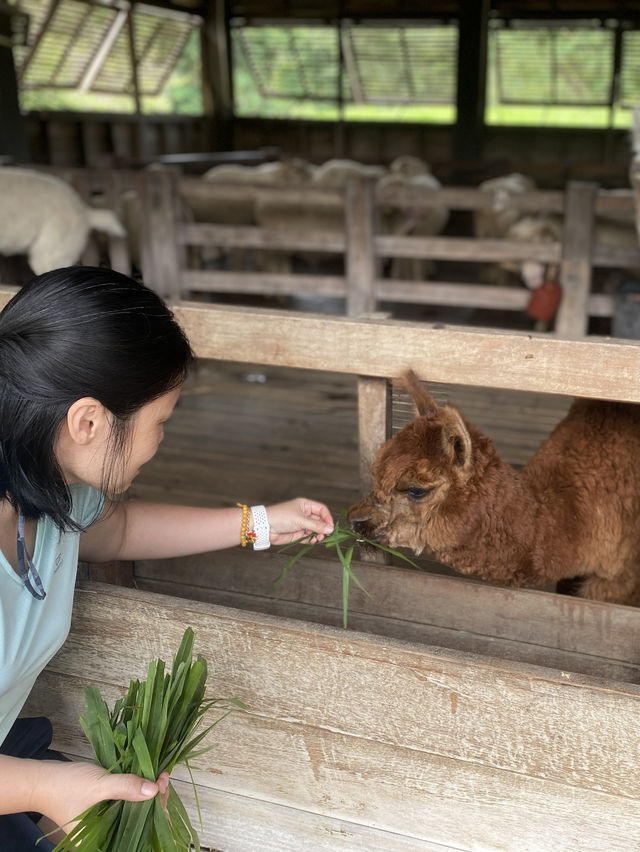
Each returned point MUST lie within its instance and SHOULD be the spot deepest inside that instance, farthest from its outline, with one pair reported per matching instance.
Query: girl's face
(147, 433)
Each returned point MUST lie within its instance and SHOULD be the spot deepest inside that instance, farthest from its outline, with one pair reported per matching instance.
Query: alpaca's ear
(422, 399)
(456, 440)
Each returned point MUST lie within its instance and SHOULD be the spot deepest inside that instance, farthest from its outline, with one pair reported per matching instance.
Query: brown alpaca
(440, 486)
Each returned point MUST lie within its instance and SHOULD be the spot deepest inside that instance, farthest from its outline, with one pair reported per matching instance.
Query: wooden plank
(190, 187)
(159, 250)
(452, 293)
(534, 627)
(262, 283)
(454, 197)
(380, 791)
(491, 359)
(575, 269)
(422, 742)
(374, 427)
(458, 198)
(531, 362)
(230, 236)
(374, 422)
(467, 249)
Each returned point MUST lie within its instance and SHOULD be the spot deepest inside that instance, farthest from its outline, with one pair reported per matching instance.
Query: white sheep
(43, 217)
(494, 222)
(334, 173)
(411, 219)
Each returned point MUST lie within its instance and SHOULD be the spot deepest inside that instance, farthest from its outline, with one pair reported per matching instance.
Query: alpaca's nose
(360, 527)
(359, 517)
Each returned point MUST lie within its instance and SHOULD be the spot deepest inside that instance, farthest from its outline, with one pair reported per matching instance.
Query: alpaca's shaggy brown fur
(573, 511)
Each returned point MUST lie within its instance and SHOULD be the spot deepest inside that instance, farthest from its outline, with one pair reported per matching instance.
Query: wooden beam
(217, 76)
(98, 58)
(591, 367)
(13, 137)
(603, 369)
(472, 72)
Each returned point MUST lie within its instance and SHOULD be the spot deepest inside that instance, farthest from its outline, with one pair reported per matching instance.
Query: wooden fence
(363, 248)
(478, 718)
(166, 234)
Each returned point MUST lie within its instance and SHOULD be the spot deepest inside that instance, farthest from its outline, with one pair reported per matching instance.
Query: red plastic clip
(544, 301)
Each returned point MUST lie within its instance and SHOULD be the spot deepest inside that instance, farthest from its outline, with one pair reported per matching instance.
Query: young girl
(91, 366)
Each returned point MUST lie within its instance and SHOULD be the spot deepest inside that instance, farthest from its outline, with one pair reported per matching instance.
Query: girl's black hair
(71, 333)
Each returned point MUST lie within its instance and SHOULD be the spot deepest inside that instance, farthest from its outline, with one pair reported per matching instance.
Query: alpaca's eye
(418, 493)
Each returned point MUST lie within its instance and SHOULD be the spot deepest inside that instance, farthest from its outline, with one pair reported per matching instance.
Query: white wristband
(261, 528)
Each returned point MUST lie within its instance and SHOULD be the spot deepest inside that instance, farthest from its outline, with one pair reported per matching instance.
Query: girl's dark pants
(28, 738)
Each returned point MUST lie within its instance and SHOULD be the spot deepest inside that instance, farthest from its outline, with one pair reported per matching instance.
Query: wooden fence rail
(165, 233)
(363, 248)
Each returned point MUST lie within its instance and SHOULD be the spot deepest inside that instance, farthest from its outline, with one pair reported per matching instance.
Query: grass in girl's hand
(343, 539)
(149, 731)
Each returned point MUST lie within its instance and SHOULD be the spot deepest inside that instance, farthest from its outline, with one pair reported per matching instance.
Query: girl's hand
(65, 790)
(297, 518)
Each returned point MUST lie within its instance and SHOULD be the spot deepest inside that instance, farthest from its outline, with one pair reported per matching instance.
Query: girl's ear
(87, 420)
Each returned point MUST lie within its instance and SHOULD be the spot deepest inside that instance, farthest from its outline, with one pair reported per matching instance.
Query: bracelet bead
(246, 535)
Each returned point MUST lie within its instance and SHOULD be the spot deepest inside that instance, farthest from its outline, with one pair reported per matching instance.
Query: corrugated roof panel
(59, 56)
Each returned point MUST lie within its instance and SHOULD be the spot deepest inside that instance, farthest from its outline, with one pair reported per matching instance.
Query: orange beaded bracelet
(246, 535)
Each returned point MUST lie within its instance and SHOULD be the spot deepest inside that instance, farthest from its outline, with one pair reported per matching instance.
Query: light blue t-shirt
(31, 630)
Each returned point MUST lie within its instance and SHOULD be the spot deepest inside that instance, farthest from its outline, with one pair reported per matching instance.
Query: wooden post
(575, 269)
(374, 427)
(13, 135)
(217, 76)
(472, 72)
(360, 259)
(158, 227)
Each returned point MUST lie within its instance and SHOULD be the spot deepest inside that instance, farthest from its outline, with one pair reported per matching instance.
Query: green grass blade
(302, 552)
(134, 830)
(141, 749)
(178, 813)
(345, 597)
(156, 725)
(163, 837)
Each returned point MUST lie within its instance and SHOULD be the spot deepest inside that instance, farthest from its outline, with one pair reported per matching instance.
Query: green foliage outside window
(182, 94)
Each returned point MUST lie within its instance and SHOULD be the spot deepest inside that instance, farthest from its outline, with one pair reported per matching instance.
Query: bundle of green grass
(149, 731)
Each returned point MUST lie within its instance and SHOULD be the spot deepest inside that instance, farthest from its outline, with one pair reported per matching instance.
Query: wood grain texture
(432, 608)
(575, 269)
(520, 361)
(447, 748)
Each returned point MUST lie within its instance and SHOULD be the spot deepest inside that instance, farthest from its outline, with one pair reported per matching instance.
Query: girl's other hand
(65, 790)
(297, 518)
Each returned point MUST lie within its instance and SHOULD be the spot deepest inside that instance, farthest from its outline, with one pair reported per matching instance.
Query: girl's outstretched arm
(141, 530)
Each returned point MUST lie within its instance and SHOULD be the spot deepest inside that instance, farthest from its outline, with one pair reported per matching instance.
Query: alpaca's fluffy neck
(501, 529)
